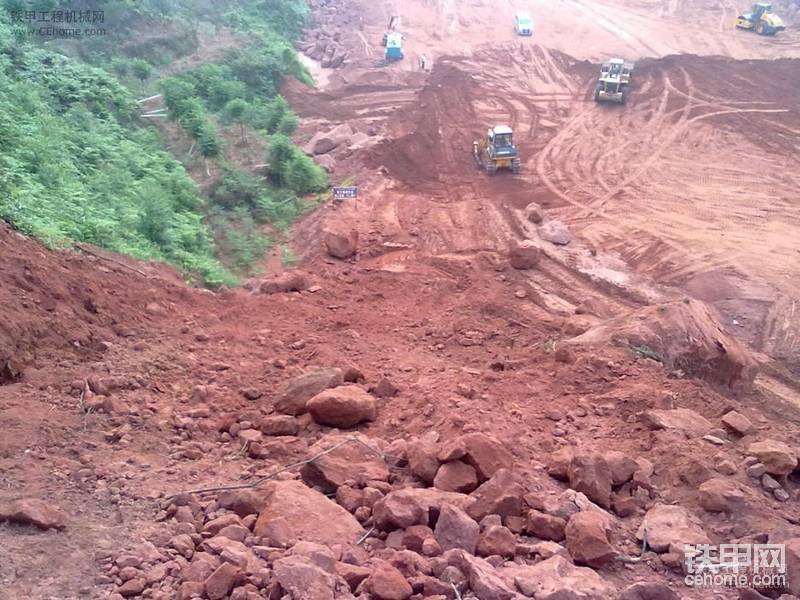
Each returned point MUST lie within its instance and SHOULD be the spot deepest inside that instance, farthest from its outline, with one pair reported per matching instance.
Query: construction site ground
(688, 191)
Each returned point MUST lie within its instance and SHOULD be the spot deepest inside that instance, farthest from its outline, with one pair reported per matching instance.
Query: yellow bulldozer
(497, 151)
(761, 19)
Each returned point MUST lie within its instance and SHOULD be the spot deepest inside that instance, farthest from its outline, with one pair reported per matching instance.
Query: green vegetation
(77, 163)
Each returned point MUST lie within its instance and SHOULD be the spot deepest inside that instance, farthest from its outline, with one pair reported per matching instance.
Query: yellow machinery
(761, 19)
(614, 81)
(497, 151)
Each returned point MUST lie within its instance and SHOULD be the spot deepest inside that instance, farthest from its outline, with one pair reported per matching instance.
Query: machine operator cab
(501, 141)
(523, 24)
(394, 46)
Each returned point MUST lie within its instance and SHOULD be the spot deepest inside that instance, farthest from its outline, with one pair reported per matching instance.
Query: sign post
(340, 194)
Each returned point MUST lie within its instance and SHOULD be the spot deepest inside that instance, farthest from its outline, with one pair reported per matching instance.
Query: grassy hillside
(78, 163)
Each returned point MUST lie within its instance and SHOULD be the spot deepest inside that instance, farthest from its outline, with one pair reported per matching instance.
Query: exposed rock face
(686, 336)
(306, 515)
(299, 390)
(666, 525)
(344, 406)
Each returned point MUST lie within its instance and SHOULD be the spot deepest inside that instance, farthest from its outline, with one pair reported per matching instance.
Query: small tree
(281, 152)
(237, 110)
(141, 70)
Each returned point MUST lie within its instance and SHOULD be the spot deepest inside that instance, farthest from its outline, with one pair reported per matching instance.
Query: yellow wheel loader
(761, 19)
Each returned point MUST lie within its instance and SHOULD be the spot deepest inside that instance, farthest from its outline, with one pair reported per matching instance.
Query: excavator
(497, 151)
(392, 41)
(761, 19)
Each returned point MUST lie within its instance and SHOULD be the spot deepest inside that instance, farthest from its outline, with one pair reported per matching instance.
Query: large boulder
(300, 577)
(387, 583)
(680, 419)
(305, 514)
(299, 390)
(684, 336)
(555, 232)
(589, 473)
(524, 255)
(778, 458)
(290, 281)
(422, 459)
(456, 476)
(31, 511)
(344, 406)
(666, 524)
(720, 495)
(351, 461)
(558, 579)
(486, 454)
(500, 495)
(341, 245)
(415, 506)
(455, 529)
(588, 540)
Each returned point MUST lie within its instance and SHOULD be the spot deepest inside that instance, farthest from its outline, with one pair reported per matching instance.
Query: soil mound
(685, 336)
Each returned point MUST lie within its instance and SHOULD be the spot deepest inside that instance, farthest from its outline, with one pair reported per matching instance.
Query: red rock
(680, 419)
(622, 466)
(352, 574)
(544, 526)
(456, 529)
(496, 540)
(31, 511)
(387, 583)
(737, 423)
(524, 255)
(220, 583)
(588, 541)
(341, 245)
(651, 590)
(486, 454)
(534, 213)
(384, 389)
(557, 579)
(242, 502)
(299, 390)
(279, 425)
(345, 406)
(500, 495)
(189, 589)
(290, 281)
(412, 506)
(456, 476)
(184, 544)
(778, 458)
(201, 567)
(668, 525)
(792, 546)
(301, 578)
(308, 514)
(132, 587)
(558, 465)
(422, 457)
(214, 526)
(484, 581)
(590, 474)
(414, 537)
(351, 461)
(720, 495)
